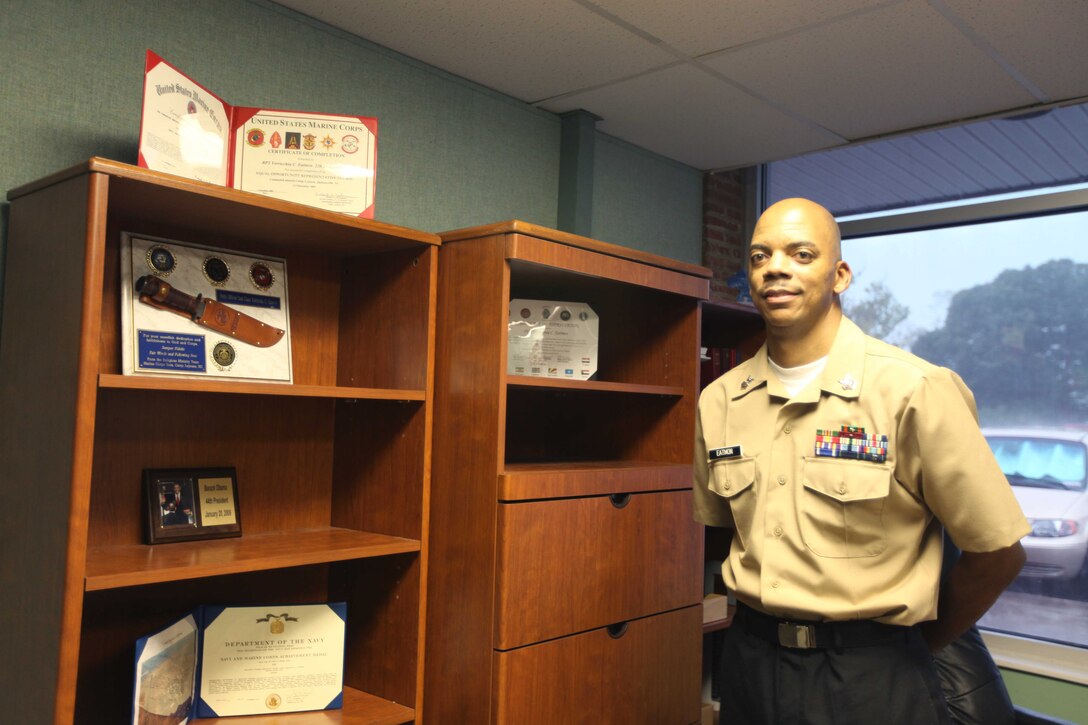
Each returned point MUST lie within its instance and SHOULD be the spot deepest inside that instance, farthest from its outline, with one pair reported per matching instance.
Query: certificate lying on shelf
(197, 311)
(223, 661)
(551, 339)
(322, 160)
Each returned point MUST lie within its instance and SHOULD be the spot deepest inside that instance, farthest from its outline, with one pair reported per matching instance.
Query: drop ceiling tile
(900, 67)
(1042, 40)
(696, 27)
(687, 114)
(528, 49)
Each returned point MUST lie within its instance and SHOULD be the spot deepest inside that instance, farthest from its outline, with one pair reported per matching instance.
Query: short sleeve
(709, 508)
(946, 461)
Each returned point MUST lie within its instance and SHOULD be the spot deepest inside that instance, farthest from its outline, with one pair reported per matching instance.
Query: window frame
(1063, 662)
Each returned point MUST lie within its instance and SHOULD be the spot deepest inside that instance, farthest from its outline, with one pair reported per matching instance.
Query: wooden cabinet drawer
(647, 675)
(570, 565)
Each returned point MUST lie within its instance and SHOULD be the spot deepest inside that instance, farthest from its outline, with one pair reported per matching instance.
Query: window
(1004, 302)
(1040, 462)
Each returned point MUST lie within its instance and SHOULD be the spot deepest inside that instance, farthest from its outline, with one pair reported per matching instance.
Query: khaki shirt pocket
(842, 507)
(734, 479)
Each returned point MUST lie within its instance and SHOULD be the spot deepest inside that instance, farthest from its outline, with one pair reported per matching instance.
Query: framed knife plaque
(197, 311)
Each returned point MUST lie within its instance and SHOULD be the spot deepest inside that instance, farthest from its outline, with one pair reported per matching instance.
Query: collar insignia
(847, 382)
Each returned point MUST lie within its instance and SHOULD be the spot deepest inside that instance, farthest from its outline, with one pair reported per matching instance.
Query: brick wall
(723, 228)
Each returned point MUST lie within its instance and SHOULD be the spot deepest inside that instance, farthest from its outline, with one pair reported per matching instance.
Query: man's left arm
(974, 584)
(968, 493)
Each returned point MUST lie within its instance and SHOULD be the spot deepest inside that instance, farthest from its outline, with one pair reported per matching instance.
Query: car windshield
(1041, 462)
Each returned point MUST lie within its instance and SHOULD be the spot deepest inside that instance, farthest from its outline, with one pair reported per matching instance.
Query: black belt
(798, 634)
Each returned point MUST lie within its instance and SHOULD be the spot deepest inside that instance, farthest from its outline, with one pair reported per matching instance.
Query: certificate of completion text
(256, 660)
(322, 161)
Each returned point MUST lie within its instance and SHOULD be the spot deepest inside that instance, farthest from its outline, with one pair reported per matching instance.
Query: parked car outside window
(1048, 471)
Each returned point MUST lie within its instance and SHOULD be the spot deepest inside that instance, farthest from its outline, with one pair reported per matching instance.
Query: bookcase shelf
(109, 567)
(733, 325)
(332, 470)
(715, 625)
(136, 382)
(360, 708)
(524, 381)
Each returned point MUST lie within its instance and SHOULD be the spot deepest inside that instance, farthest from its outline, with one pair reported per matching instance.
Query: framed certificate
(255, 660)
(309, 158)
(552, 339)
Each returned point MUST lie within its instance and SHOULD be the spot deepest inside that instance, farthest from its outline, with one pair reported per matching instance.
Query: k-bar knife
(207, 313)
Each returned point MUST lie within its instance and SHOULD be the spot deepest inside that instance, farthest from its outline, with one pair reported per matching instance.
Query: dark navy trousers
(764, 683)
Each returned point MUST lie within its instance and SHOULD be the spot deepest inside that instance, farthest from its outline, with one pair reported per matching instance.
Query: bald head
(796, 274)
(797, 212)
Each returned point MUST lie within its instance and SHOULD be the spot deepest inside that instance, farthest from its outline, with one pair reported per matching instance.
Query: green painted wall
(450, 153)
(646, 201)
(1056, 698)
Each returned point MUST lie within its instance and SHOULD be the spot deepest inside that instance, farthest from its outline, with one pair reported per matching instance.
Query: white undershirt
(794, 379)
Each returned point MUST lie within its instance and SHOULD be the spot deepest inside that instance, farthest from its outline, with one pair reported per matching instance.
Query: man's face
(794, 269)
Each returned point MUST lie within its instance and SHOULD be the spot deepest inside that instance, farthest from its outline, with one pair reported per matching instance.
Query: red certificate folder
(322, 160)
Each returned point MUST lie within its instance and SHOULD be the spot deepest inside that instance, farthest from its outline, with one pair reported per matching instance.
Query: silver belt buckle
(796, 636)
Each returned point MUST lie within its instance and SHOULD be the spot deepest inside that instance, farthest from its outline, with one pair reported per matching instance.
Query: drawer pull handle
(617, 630)
(619, 500)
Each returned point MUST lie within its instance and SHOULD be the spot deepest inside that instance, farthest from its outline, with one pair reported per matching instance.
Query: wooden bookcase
(736, 327)
(565, 576)
(333, 470)
(728, 324)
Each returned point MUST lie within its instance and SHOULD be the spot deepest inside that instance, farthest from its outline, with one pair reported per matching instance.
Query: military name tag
(727, 452)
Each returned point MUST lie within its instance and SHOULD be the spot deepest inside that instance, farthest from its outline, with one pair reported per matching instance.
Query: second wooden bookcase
(565, 576)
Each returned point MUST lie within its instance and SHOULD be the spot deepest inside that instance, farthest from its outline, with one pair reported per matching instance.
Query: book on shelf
(715, 362)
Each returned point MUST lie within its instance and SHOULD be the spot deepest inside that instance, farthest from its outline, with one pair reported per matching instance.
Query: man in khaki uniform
(838, 460)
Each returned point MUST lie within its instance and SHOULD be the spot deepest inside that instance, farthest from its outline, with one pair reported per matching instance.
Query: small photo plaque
(186, 504)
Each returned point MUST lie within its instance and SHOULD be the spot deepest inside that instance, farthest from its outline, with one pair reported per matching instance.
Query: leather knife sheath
(207, 313)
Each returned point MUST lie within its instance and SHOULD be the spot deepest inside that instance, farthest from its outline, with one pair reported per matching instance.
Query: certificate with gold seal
(263, 660)
(220, 661)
